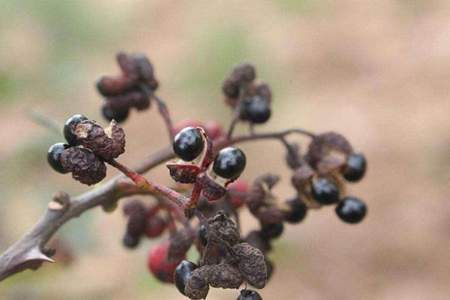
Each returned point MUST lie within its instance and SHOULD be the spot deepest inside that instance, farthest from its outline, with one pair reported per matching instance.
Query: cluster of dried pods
(207, 182)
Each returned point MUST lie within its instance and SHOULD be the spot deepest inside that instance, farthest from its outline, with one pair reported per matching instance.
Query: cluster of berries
(132, 88)
(320, 176)
(195, 152)
(249, 99)
(227, 260)
(88, 147)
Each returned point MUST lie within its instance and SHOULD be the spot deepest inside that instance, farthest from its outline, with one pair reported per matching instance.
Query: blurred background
(376, 71)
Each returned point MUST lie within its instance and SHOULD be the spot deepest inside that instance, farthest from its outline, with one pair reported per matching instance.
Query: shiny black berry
(297, 211)
(255, 110)
(325, 191)
(188, 144)
(69, 128)
(110, 114)
(182, 274)
(272, 231)
(130, 241)
(54, 156)
(351, 210)
(229, 163)
(203, 234)
(249, 295)
(355, 168)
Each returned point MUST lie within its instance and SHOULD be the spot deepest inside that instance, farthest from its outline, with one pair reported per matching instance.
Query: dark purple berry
(272, 231)
(130, 241)
(325, 191)
(249, 295)
(54, 156)
(188, 144)
(182, 274)
(355, 168)
(229, 163)
(297, 211)
(118, 115)
(351, 210)
(255, 110)
(69, 128)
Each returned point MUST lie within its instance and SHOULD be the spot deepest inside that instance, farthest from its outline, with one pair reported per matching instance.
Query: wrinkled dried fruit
(196, 286)
(222, 229)
(325, 143)
(85, 166)
(252, 264)
(107, 143)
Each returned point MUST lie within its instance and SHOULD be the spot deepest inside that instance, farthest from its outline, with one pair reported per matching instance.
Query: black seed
(351, 210)
(188, 144)
(110, 114)
(325, 191)
(297, 211)
(229, 163)
(256, 110)
(69, 128)
(182, 274)
(355, 167)
(249, 295)
(54, 155)
(272, 231)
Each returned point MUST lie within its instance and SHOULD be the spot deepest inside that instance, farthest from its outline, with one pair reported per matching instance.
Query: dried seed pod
(183, 172)
(223, 276)
(137, 223)
(197, 286)
(180, 243)
(252, 264)
(113, 86)
(326, 143)
(243, 73)
(222, 229)
(302, 176)
(107, 143)
(85, 166)
(211, 190)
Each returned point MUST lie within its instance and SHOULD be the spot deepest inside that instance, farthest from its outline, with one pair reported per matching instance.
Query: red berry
(155, 226)
(237, 192)
(213, 129)
(159, 265)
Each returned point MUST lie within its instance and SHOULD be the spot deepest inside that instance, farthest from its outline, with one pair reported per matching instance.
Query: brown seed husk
(85, 166)
(107, 143)
(252, 264)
